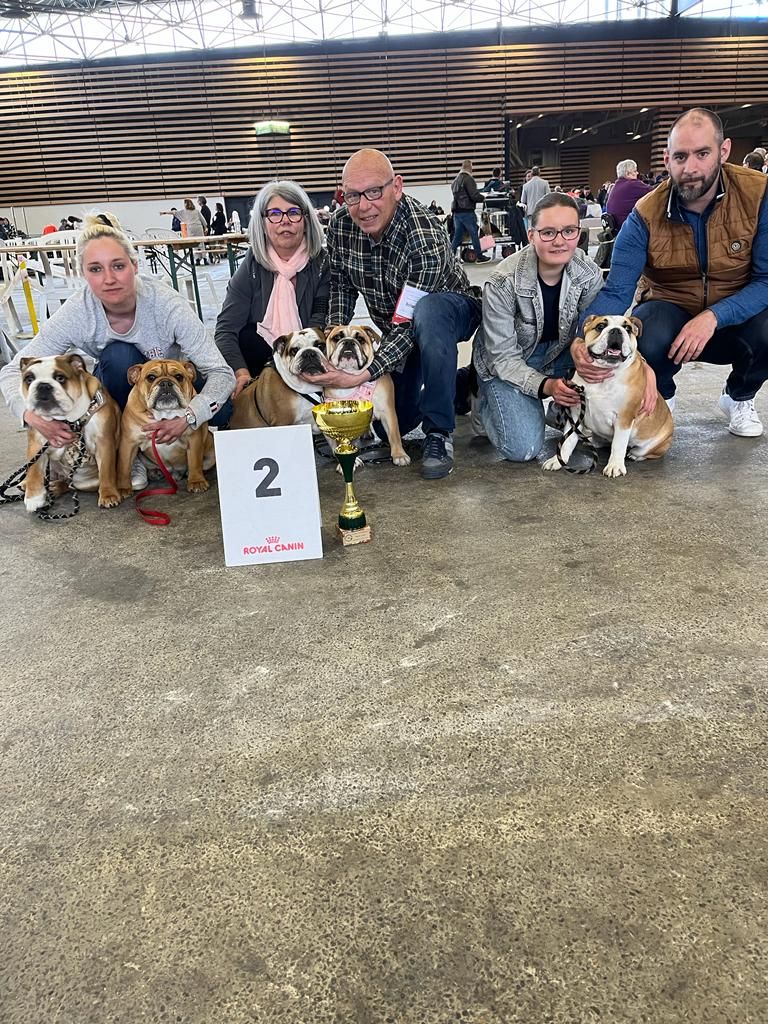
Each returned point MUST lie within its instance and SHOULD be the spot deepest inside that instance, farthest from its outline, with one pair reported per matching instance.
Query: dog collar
(96, 402)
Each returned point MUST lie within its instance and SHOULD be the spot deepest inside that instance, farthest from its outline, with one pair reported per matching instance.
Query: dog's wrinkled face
(54, 387)
(352, 348)
(165, 384)
(612, 340)
(302, 352)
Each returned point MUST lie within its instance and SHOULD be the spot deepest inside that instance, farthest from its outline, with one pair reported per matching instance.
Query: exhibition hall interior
(431, 689)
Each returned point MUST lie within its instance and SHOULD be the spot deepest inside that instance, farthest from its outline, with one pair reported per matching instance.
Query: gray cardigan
(513, 316)
(248, 294)
(164, 328)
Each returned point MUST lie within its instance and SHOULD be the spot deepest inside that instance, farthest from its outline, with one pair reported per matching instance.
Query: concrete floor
(507, 763)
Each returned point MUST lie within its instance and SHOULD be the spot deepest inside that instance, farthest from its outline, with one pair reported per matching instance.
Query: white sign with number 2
(270, 507)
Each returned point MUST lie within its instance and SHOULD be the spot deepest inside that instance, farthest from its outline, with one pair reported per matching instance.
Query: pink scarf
(282, 314)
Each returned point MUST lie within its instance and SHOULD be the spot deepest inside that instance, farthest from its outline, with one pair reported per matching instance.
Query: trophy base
(360, 536)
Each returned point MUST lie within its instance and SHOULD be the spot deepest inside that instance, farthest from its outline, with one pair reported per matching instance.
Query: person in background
(534, 189)
(120, 319)
(434, 208)
(175, 222)
(219, 222)
(190, 216)
(602, 193)
(754, 161)
(531, 309)
(64, 224)
(494, 183)
(465, 196)
(281, 285)
(625, 192)
(205, 213)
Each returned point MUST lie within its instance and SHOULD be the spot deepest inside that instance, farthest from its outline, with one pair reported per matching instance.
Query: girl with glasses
(282, 284)
(531, 309)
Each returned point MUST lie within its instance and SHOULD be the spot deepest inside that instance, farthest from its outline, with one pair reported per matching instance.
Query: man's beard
(694, 190)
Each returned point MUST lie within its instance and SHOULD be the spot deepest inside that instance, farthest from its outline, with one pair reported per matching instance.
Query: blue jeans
(440, 321)
(743, 346)
(112, 370)
(462, 222)
(513, 421)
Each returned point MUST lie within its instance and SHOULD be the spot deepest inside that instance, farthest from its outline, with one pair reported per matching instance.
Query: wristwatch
(190, 418)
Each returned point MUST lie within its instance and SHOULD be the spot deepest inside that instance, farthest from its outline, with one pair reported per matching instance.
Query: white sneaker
(139, 478)
(671, 402)
(744, 421)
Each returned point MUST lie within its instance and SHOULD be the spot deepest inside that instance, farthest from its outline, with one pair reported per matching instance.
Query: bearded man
(698, 247)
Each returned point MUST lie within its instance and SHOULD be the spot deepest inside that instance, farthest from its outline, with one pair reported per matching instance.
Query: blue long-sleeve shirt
(630, 254)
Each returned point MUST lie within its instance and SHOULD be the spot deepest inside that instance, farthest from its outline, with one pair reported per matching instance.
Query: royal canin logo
(272, 545)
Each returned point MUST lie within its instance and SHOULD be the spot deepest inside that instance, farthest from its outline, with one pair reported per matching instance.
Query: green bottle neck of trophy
(346, 454)
(351, 516)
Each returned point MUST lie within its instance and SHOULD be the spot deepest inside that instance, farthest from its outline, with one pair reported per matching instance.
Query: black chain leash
(574, 427)
(80, 454)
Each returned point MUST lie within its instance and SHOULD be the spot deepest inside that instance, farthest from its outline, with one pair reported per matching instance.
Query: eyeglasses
(375, 192)
(294, 215)
(550, 234)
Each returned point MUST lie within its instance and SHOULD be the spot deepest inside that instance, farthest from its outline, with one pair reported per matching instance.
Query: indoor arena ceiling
(34, 32)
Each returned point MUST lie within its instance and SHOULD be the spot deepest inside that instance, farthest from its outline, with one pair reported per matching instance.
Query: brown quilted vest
(672, 271)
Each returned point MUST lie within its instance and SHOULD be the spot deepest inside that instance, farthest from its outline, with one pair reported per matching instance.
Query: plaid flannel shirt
(414, 249)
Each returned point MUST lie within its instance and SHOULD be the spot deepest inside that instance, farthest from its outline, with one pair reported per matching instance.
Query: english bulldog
(352, 348)
(163, 388)
(612, 407)
(60, 388)
(279, 397)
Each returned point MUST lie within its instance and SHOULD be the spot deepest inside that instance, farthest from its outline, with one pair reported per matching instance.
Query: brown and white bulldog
(60, 388)
(163, 388)
(279, 397)
(352, 348)
(612, 407)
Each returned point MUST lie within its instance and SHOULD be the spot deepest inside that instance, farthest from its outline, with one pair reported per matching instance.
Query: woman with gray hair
(626, 191)
(282, 285)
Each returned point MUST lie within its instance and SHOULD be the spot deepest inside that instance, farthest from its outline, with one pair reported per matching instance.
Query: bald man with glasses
(380, 242)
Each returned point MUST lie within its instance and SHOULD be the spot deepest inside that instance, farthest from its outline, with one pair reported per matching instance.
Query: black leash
(79, 455)
(15, 479)
(575, 427)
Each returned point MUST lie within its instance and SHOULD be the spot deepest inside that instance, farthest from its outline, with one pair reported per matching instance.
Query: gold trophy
(344, 421)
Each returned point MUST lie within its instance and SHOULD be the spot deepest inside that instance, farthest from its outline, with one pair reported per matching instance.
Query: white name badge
(406, 304)
(270, 507)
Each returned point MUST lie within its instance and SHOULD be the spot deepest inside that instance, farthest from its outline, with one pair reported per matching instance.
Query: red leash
(153, 516)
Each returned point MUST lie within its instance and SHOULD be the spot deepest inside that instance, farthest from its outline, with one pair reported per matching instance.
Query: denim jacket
(513, 316)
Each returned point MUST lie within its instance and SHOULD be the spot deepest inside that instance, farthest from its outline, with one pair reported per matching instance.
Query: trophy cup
(344, 421)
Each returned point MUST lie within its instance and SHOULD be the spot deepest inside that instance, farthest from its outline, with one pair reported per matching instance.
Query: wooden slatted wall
(141, 130)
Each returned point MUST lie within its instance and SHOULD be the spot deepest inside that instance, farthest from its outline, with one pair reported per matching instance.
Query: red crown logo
(272, 540)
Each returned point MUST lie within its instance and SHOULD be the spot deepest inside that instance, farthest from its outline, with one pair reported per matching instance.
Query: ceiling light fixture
(272, 127)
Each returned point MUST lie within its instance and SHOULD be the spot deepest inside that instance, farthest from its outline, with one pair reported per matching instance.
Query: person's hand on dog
(560, 391)
(585, 365)
(241, 379)
(166, 431)
(693, 337)
(334, 378)
(55, 432)
(651, 394)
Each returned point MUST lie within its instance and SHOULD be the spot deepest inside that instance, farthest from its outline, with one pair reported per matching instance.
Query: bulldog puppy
(352, 348)
(60, 388)
(279, 397)
(163, 388)
(612, 407)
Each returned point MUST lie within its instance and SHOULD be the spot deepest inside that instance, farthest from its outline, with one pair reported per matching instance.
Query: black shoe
(437, 459)
(483, 259)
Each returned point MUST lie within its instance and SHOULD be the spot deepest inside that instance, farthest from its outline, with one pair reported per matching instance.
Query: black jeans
(112, 371)
(743, 347)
